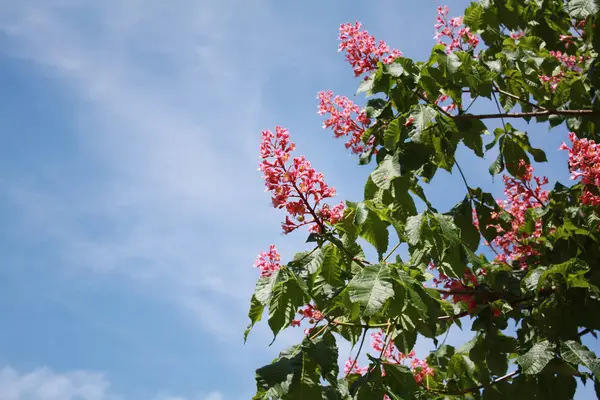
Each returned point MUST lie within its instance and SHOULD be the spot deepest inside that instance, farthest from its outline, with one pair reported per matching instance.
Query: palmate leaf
(371, 288)
(287, 297)
(391, 136)
(423, 116)
(400, 381)
(386, 171)
(536, 359)
(414, 228)
(372, 228)
(581, 9)
(255, 315)
(576, 353)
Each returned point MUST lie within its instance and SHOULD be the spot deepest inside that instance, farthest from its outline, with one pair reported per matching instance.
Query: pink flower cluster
(568, 63)
(521, 195)
(310, 312)
(268, 262)
(295, 185)
(362, 51)
(448, 107)
(345, 119)
(391, 354)
(453, 30)
(468, 283)
(517, 35)
(584, 163)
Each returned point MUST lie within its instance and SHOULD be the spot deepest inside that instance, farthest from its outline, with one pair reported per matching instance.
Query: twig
(362, 341)
(518, 98)
(392, 251)
(527, 114)
(478, 387)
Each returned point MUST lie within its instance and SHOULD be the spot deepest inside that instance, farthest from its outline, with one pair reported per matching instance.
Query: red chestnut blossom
(362, 51)
(568, 63)
(469, 282)
(351, 367)
(420, 367)
(517, 35)
(452, 29)
(521, 196)
(295, 185)
(342, 120)
(268, 263)
(584, 163)
(310, 312)
(448, 107)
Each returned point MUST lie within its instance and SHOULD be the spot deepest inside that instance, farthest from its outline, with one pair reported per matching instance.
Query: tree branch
(479, 387)
(528, 114)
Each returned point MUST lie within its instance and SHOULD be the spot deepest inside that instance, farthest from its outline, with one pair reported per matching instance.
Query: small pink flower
(451, 30)
(268, 262)
(346, 119)
(517, 35)
(362, 51)
(294, 185)
(584, 163)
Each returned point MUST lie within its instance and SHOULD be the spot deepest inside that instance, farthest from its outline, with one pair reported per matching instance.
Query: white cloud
(44, 384)
(170, 104)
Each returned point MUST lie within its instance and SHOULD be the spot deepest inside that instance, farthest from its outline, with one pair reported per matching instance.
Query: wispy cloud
(170, 107)
(45, 384)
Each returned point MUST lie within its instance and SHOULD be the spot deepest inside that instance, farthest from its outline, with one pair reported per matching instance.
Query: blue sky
(132, 207)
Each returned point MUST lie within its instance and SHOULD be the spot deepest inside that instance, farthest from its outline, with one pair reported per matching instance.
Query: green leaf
(264, 287)
(471, 134)
(372, 228)
(394, 69)
(534, 361)
(324, 352)
(462, 368)
(400, 381)
(581, 9)
(366, 85)
(453, 63)
(371, 288)
(576, 353)
(513, 153)
(391, 136)
(474, 16)
(331, 269)
(255, 315)
(414, 228)
(463, 219)
(423, 116)
(386, 171)
(497, 166)
(375, 107)
(287, 298)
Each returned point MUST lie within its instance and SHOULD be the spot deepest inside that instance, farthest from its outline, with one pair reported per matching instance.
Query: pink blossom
(295, 185)
(393, 356)
(346, 119)
(584, 163)
(522, 195)
(352, 367)
(268, 262)
(517, 35)
(469, 282)
(362, 51)
(451, 106)
(451, 30)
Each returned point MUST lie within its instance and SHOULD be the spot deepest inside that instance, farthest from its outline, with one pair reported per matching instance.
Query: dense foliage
(531, 261)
